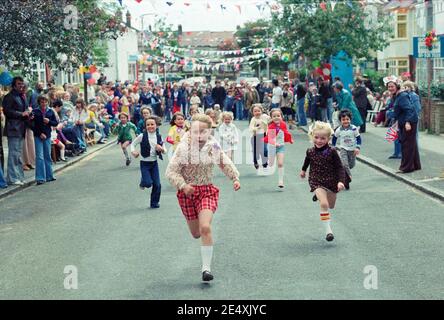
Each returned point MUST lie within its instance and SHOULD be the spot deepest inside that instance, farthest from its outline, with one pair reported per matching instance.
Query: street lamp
(143, 33)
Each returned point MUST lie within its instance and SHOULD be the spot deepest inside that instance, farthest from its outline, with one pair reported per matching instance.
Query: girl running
(277, 136)
(190, 171)
(177, 129)
(327, 175)
(151, 147)
(228, 134)
(258, 128)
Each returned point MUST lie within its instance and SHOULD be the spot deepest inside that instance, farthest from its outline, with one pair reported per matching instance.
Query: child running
(190, 171)
(327, 175)
(145, 112)
(348, 141)
(258, 128)
(228, 134)
(277, 136)
(124, 136)
(151, 147)
(177, 129)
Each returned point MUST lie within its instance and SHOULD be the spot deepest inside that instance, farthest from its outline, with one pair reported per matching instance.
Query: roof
(205, 38)
(400, 4)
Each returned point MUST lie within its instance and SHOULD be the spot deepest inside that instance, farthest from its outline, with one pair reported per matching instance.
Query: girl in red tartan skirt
(190, 171)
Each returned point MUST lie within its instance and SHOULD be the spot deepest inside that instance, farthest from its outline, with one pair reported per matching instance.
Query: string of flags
(261, 5)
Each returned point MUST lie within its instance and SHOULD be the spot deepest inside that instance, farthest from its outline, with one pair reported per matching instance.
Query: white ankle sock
(207, 254)
(62, 154)
(326, 219)
(281, 174)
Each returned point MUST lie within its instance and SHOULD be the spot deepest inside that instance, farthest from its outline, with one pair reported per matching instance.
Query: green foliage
(33, 31)
(303, 27)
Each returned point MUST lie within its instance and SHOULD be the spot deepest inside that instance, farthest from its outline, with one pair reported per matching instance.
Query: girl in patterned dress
(190, 171)
(327, 175)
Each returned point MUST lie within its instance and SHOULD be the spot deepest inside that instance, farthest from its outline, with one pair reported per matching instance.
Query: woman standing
(344, 101)
(43, 118)
(407, 117)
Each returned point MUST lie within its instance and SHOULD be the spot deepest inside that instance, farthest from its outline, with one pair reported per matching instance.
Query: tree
(313, 28)
(62, 33)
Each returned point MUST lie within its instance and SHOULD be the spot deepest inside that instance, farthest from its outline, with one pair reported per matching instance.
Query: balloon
(5, 79)
(96, 76)
(316, 63)
(88, 76)
(92, 81)
(62, 57)
(92, 69)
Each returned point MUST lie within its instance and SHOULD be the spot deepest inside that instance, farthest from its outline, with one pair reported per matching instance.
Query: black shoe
(39, 183)
(128, 162)
(53, 179)
(256, 166)
(207, 276)
(315, 198)
(155, 206)
(329, 237)
(395, 157)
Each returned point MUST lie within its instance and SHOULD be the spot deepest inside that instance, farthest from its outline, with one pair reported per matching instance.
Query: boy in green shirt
(124, 136)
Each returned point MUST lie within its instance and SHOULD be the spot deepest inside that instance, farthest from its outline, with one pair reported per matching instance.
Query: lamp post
(143, 31)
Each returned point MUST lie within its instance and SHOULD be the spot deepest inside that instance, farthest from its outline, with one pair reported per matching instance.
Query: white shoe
(281, 185)
(18, 183)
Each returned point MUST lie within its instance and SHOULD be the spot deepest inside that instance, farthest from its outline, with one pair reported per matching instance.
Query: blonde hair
(257, 105)
(203, 118)
(225, 114)
(276, 110)
(409, 85)
(320, 126)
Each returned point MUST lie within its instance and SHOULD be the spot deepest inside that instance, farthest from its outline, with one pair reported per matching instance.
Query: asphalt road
(268, 244)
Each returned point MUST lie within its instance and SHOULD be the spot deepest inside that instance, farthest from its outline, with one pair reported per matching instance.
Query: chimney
(128, 18)
(179, 29)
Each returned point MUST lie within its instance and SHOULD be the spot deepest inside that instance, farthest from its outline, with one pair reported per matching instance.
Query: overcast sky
(196, 16)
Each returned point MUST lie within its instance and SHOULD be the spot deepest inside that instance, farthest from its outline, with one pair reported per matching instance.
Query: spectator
(219, 94)
(300, 100)
(42, 119)
(277, 95)
(15, 109)
(359, 93)
(344, 101)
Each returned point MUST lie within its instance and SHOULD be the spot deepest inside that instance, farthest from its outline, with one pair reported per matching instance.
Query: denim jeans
(398, 150)
(239, 109)
(15, 165)
(80, 135)
(324, 114)
(301, 112)
(43, 162)
(275, 105)
(3, 183)
(150, 178)
(330, 109)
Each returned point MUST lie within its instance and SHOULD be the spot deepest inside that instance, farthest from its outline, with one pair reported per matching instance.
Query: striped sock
(325, 218)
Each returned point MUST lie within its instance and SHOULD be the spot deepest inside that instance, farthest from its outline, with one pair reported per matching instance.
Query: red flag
(139, 1)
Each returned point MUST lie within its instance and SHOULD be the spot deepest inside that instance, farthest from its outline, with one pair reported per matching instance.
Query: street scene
(222, 150)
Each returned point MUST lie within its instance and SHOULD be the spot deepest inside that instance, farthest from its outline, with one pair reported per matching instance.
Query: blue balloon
(88, 76)
(5, 79)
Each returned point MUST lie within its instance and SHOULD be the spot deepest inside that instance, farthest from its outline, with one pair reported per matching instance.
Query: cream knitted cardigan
(189, 165)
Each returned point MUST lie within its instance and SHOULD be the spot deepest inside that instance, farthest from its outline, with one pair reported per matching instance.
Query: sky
(196, 16)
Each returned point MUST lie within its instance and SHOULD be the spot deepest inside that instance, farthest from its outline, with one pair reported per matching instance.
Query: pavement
(268, 244)
(57, 167)
(376, 150)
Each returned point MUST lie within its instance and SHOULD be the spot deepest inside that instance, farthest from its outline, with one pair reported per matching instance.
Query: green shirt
(124, 131)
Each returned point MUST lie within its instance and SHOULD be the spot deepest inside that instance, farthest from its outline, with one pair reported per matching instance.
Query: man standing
(219, 94)
(277, 95)
(360, 98)
(16, 113)
(36, 92)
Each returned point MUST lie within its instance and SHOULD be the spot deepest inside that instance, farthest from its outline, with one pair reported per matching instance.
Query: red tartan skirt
(204, 197)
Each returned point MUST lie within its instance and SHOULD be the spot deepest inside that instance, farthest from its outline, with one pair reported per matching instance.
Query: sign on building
(420, 50)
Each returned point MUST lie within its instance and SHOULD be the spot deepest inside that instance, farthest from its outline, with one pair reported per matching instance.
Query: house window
(397, 67)
(401, 29)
